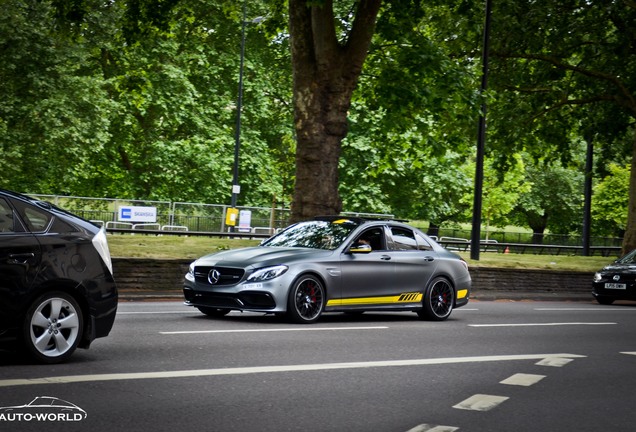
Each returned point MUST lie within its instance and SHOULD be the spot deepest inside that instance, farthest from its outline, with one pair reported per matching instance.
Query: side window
(6, 217)
(422, 243)
(403, 239)
(36, 219)
(373, 237)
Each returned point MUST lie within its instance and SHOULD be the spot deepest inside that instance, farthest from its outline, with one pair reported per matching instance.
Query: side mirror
(360, 248)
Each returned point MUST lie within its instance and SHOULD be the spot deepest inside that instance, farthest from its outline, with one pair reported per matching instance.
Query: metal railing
(181, 218)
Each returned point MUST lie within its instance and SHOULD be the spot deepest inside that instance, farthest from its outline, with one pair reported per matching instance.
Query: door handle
(385, 257)
(429, 258)
(21, 258)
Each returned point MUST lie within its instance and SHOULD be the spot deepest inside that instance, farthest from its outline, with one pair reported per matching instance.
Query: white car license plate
(619, 286)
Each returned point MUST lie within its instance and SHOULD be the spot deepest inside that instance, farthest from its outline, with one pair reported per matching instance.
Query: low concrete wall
(491, 283)
(136, 275)
(140, 274)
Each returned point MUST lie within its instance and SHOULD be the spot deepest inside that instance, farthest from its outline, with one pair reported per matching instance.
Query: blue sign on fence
(137, 214)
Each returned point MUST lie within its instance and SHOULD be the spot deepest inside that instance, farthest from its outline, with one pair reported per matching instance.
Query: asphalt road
(493, 366)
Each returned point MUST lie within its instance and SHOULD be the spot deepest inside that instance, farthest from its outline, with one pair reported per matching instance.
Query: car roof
(359, 220)
(16, 195)
(52, 208)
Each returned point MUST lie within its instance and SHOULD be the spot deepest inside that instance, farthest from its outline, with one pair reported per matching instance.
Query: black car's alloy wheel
(439, 299)
(53, 327)
(306, 300)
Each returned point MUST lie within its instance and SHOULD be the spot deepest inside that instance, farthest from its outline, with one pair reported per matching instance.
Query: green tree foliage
(137, 99)
(501, 192)
(53, 110)
(553, 200)
(609, 208)
(559, 67)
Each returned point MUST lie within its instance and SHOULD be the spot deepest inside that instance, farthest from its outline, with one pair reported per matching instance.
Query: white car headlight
(190, 274)
(267, 273)
(597, 277)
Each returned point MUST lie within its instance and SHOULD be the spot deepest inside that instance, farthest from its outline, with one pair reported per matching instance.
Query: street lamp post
(481, 140)
(236, 188)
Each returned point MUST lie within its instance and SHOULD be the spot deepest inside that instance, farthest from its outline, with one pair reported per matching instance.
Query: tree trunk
(433, 229)
(629, 241)
(538, 224)
(325, 72)
(537, 236)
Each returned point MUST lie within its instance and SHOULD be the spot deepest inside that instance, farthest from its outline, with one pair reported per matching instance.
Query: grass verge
(180, 247)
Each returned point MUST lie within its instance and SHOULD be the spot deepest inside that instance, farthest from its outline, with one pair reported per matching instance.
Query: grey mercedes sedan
(332, 264)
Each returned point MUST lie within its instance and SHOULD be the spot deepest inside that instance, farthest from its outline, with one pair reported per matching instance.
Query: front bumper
(266, 296)
(245, 300)
(599, 290)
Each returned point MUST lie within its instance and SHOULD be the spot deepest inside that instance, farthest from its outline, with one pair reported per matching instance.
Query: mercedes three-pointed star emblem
(214, 276)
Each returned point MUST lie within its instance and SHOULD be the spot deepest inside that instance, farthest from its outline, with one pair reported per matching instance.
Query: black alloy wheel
(439, 299)
(306, 300)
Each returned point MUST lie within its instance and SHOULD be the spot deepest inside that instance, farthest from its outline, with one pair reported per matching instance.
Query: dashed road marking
(554, 361)
(433, 428)
(521, 379)
(544, 324)
(481, 402)
(628, 353)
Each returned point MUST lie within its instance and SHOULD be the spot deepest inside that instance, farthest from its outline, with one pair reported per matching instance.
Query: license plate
(619, 286)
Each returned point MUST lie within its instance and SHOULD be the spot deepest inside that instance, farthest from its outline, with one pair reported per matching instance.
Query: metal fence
(200, 217)
(528, 238)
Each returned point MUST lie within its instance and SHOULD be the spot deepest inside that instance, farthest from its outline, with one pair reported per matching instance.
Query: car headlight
(267, 273)
(190, 274)
(598, 277)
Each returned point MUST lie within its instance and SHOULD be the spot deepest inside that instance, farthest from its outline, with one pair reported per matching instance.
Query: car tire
(53, 327)
(439, 299)
(306, 300)
(214, 312)
(604, 300)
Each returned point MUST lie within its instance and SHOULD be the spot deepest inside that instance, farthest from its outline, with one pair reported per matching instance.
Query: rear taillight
(101, 245)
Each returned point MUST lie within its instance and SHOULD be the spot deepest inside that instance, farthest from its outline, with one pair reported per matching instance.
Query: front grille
(225, 275)
(249, 300)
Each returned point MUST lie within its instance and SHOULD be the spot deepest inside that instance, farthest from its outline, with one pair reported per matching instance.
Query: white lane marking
(521, 379)
(591, 309)
(273, 329)
(544, 324)
(157, 312)
(628, 353)
(433, 428)
(481, 402)
(273, 369)
(554, 362)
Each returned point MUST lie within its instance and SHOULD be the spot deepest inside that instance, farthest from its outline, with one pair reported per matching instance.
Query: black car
(57, 290)
(616, 281)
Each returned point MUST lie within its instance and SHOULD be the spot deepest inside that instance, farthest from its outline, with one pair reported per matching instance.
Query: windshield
(315, 234)
(628, 259)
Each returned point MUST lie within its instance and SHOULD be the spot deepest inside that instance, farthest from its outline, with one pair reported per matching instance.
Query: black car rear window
(6, 217)
(37, 220)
